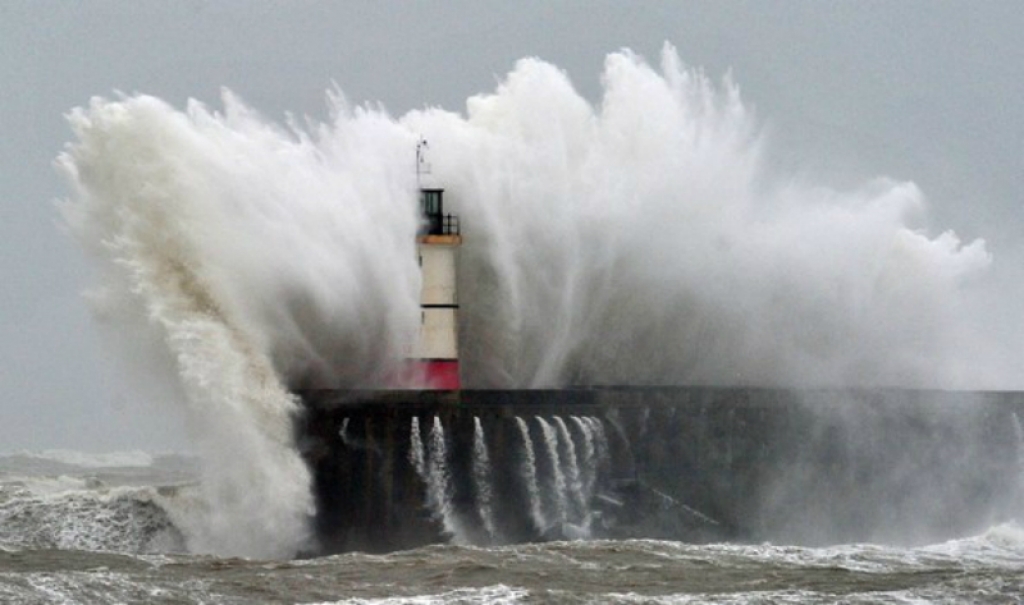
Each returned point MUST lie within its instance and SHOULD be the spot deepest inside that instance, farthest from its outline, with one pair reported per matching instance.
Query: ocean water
(84, 528)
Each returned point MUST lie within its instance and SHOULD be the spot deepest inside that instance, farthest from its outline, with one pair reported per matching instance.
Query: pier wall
(396, 470)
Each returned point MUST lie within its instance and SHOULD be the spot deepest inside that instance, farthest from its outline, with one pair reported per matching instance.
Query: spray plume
(635, 242)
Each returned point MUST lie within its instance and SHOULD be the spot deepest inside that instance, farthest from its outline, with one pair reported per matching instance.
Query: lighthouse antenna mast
(422, 167)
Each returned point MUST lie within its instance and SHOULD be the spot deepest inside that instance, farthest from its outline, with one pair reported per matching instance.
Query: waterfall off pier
(400, 469)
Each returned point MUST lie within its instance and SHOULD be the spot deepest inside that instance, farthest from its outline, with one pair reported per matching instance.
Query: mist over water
(635, 241)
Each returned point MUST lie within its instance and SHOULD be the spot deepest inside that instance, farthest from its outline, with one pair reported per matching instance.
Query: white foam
(97, 585)
(999, 545)
(498, 594)
(70, 514)
(43, 485)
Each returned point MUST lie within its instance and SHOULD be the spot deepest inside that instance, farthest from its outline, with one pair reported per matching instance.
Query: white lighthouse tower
(436, 353)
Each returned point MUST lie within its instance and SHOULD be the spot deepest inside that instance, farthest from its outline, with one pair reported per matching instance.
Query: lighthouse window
(431, 200)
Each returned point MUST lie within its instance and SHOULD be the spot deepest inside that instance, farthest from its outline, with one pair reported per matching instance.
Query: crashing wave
(94, 518)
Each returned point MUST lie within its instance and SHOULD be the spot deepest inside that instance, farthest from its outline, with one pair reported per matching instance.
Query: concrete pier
(691, 464)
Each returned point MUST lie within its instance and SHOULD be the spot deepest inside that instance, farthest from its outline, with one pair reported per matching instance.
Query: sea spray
(574, 482)
(528, 470)
(482, 480)
(588, 472)
(646, 224)
(601, 447)
(440, 488)
(251, 259)
(556, 489)
(433, 470)
(251, 282)
(148, 207)
(416, 455)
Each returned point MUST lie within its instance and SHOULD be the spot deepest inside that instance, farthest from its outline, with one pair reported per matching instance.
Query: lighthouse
(436, 353)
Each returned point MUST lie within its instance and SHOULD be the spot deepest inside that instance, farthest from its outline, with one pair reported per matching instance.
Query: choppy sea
(86, 528)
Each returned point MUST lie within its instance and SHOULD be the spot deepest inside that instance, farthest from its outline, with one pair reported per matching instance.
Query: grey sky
(928, 91)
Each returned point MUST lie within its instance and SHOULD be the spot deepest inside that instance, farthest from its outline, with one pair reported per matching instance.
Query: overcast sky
(928, 91)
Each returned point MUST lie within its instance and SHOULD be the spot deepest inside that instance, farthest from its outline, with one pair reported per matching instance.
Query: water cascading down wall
(400, 469)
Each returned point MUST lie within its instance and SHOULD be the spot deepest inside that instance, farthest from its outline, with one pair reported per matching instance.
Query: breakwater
(404, 468)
